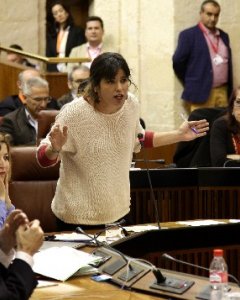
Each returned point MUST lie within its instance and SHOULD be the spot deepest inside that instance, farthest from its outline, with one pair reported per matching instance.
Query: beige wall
(23, 22)
(144, 31)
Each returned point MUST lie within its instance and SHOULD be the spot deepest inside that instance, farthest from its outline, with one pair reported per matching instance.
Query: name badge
(218, 60)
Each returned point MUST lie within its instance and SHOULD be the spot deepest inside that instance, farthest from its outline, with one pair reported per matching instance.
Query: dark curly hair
(105, 66)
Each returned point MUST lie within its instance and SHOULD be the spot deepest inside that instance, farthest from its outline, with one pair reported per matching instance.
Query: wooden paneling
(57, 84)
(163, 152)
(9, 77)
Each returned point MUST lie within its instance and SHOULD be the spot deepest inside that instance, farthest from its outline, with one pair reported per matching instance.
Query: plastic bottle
(218, 275)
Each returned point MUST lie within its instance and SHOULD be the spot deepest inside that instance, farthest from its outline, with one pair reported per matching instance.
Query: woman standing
(62, 35)
(225, 133)
(5, 173)
(95, 137)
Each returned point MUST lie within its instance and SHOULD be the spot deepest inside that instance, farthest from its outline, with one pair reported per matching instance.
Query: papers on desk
(141, 228)
(61, 263)
(200, 222)
(45, 283)
(233, 156)
(72, 237)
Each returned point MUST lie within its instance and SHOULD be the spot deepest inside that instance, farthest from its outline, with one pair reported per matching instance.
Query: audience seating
(196, 153)
(32, 187)
(45, 120)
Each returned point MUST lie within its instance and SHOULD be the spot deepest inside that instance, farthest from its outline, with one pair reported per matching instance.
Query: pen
(185, 119)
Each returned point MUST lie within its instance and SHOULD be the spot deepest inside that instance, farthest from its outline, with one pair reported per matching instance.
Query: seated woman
(5, 171)
(225, 134)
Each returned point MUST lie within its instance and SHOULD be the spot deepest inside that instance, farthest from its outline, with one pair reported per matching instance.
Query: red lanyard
(236, 143)
(213, 46)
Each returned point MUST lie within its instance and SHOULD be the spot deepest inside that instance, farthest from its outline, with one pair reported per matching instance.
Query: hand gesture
(8, 232)
(30, 238)
(58, 137)
(4, 194)
(190, 130)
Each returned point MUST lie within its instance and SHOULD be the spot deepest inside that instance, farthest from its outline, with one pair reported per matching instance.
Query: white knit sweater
(93, 187)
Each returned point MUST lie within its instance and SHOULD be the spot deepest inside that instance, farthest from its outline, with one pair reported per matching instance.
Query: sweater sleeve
(3, 212)
(42, 158)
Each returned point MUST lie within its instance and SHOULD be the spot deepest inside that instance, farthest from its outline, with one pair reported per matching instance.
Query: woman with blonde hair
(6, 205)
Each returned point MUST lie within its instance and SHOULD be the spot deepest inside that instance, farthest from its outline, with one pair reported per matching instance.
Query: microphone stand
(169, 257)
(141, 141)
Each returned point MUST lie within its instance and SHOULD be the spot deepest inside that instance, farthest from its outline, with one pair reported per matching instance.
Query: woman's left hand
(4, 194)
(190, 130)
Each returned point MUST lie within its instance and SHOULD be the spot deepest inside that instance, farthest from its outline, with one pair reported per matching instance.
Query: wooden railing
(9, 73)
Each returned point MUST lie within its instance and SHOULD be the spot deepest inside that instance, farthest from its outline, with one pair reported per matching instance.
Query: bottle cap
(218, 252)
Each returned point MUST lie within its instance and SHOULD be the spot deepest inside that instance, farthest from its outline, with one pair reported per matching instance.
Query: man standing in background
(95, 45)
(202, 61)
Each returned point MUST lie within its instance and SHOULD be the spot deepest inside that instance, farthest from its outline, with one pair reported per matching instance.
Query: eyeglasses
(40, 99)
(237, 102)
(79, 80)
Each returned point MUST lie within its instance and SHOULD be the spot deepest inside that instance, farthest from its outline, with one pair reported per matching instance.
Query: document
(61, 263)
(200, 222)
(73, 237)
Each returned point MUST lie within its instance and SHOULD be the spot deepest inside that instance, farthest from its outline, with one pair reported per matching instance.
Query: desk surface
(84, 287)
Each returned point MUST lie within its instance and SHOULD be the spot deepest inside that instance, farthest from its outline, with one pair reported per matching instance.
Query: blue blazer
(192, 64)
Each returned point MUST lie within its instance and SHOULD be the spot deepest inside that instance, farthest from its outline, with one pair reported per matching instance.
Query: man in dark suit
(202, 61)
(78, 75)
(17, 279)
(22, 123)
(12, 102)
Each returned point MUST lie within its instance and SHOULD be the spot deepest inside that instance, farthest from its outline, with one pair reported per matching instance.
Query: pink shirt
(219, 55)
(93, 52)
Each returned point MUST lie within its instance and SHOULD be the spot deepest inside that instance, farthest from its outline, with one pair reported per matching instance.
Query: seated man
(78, 75)
(13, 102)
(18, 58)
(22, 123)
(17, 279)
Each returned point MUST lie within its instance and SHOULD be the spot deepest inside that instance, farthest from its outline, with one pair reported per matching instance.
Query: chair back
(32, 187)
(45, 120)
(196, 153)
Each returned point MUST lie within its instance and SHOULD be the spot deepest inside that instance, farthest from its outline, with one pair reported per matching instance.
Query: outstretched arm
(186, 132)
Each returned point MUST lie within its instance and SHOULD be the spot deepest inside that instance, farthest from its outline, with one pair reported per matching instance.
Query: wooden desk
(185, 194)
(85, 288)
(191, 244)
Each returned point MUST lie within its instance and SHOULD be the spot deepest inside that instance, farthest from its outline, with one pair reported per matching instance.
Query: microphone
(141, 141)
(117, 265)
(169, 257)
(116, 224)
(94, 238)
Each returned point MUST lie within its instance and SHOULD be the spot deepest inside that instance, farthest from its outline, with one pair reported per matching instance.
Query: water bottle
(218, 275)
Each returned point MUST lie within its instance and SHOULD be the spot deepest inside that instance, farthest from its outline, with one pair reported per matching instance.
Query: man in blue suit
(202, 61)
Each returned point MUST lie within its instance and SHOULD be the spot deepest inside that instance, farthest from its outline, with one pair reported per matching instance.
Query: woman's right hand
(58, 137)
